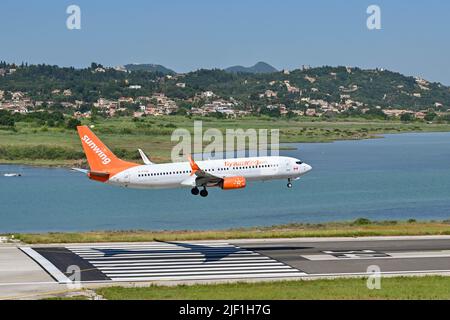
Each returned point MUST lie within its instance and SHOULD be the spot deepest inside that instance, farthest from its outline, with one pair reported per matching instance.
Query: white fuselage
(178, 175)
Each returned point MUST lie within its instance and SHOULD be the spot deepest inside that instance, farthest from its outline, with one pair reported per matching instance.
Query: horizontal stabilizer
(94, 175)
(81, 170)
(99, 174)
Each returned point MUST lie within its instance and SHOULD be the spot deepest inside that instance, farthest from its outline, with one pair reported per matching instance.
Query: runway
(162, 261)
(350, 257)
(242, 260)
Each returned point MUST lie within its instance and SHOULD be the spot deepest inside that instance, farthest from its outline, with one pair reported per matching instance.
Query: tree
(376, 113)
(95, 65)
(430, 116)
(181, 112)
(406, 117)
(6, 119)
(290, 115)
(272, 112)
(73, 123)
(445, 117)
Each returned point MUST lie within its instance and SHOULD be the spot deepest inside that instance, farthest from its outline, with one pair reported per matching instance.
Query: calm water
(398, 177)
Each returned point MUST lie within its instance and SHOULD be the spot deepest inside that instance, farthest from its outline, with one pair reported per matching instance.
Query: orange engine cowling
(233, 183)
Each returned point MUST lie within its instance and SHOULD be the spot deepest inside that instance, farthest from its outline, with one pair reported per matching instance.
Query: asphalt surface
(352, 257)
(28, 270)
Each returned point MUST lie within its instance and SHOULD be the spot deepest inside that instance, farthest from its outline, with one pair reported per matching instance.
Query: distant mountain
(260, 67)
(149, 68)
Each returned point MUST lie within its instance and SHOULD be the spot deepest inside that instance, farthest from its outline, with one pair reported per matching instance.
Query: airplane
(227, 174)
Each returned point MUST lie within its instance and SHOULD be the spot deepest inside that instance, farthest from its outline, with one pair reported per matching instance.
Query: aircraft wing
(190, 182)
(203, 178)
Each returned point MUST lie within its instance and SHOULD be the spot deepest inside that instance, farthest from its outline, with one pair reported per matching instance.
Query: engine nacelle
(233, 183)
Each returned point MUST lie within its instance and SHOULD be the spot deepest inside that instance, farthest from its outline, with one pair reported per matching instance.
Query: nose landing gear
(289, 185)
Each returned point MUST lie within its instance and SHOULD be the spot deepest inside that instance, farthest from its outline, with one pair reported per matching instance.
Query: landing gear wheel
(289, 185)
(195, 191)
(204, 193)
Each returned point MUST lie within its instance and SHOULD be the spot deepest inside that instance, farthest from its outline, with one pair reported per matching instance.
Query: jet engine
(233, 183)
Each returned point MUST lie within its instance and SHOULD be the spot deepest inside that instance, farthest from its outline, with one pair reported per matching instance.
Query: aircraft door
(287, 165)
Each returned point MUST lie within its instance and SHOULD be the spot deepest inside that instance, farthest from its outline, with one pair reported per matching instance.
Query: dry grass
(359, 228)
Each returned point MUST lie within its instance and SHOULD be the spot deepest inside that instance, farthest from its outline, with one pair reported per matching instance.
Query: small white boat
(12, 175)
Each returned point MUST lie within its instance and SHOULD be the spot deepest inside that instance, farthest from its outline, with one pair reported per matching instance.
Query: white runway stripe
(168, 247)
(168, 254)
(200, 259)
(225, 272)
(97, 251)
(194, 269)
(175, 257)
(158, 266)
(183, 261)
(158, 245)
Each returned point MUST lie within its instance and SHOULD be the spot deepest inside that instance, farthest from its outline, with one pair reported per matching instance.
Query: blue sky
(187, 35)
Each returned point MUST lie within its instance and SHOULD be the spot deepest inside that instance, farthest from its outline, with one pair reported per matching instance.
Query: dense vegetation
(149, 68)
(371, 87)
(39, 81)
(48, 119)
(407, 288)
(39, 152)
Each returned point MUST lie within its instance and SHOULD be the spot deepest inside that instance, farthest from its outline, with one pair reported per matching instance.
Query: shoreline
(361, 227)
(55, 164)
(61, 148)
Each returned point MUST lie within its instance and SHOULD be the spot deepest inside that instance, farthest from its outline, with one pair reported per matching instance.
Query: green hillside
(331, 84)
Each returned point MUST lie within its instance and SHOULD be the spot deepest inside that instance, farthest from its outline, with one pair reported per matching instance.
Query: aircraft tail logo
(91, 144)
(99, 157)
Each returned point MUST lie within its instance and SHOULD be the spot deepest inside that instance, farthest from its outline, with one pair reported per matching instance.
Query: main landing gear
(195, 191)
(204, 193)
(289, 185)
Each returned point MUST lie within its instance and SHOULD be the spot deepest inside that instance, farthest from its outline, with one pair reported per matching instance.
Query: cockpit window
(299, 162)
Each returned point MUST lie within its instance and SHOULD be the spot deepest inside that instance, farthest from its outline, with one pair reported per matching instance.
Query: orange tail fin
(194, 166)
(99, 157)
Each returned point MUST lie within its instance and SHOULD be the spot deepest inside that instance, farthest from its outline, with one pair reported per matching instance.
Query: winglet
(144, 157)
(194, 166)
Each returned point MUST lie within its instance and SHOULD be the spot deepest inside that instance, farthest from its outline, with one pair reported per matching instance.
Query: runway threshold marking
(166, 261)
(369, 254)
(46, 265)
